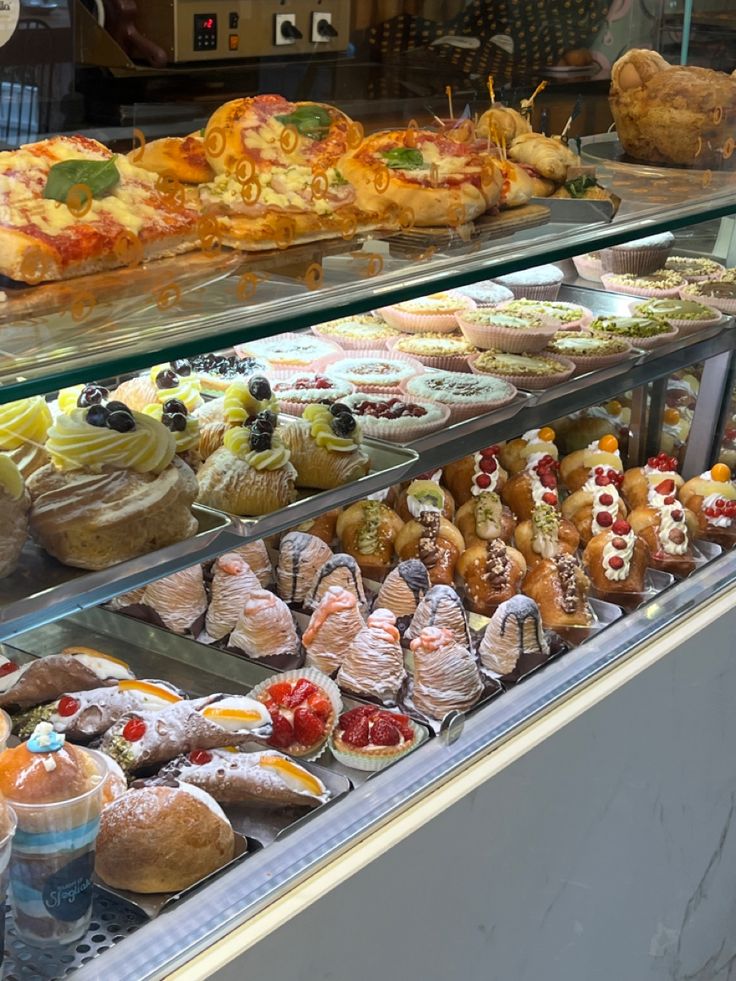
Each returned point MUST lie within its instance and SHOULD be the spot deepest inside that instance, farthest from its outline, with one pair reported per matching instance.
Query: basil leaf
(100, 176)
(404, 158)
(338, 180)
(577, 187)
(310, 121)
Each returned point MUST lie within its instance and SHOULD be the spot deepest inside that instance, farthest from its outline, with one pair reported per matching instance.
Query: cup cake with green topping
(588, 352)
(661, 284)
(527, 371)
(642, 332)
(572, 316)
(363, 332)
(496, 329)
(689, 316)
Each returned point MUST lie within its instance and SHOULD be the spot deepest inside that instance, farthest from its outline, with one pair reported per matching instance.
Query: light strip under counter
(437, 775)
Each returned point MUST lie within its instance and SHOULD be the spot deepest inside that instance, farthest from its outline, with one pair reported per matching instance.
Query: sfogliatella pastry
(301, 558)
(616, 561)
(441, 607)
(332, 628)
(179, 600)
(515, 631)
(251, 473)
(174, 414)
(84, 715)
(46, 678)
(668, 531)
(559, 587)
(712, 498)
(162, 383)
(326, 447)
(653, 483)
(533, 486)
(576, 468)
(545, 535)
(256, 555)
(417, 489)
(446, 677)
(233, 583)
(15, 505)
(373, 663)
(516, 454)
(491, 572)
(24, 426)
(233, 777)
(339, 570)
(141, 740)
(594, 508)
(403, 588)
(114, 488)
(243, 400)
(162, 839)
(434, 541)
(367, 530)
(265, 627)
(471, 474)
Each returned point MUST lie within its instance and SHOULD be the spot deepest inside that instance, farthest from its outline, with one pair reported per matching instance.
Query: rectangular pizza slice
(69, 206)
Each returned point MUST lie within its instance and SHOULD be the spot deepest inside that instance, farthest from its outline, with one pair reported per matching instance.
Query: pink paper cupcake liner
(459, 412)
(637, 262)
(593, 362)
(353, 344)
(645, 343)
(687, 327)
(291, 408)
(546, 291)
(612, 287)
(584, 320)
(388, 388)
(588, 267)
(509, 339)
(448, 362)
(537, 381)
(725, 304)
(404, 430)
(706, 277)
(419, 323)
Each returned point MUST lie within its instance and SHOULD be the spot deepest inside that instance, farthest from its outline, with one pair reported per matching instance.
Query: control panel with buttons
(205, 32)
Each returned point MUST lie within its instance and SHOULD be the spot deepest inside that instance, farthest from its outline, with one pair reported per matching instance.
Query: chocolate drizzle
(429, 553)
(496, 572)
(345, 571)
(566, 570)
(517, 610)
(414, 574)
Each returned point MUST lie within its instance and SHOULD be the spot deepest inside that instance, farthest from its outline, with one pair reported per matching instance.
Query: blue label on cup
(67, 894)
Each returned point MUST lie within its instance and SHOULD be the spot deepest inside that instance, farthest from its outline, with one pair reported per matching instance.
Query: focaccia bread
(672, 114)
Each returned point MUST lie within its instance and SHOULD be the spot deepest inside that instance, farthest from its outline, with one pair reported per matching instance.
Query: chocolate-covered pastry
(404, 588)
(301, 559)
(515, 630)
(339, 570)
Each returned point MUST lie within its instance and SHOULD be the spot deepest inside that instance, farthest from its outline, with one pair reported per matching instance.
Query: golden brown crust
(440, 559)
(355, 522)
(593, 562)
(542, 584)
(568, 540)
(502, 121)
(465, 519)
(549, 156)
(181, 158)
(484, 588)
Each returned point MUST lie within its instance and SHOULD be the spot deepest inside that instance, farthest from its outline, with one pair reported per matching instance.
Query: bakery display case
(349, 447)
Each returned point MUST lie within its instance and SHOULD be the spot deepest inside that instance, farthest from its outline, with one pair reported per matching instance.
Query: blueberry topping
(167, 379)
(344, 424)
(171, 406)
(91, 395)
(118, 407)
(175, 421)
(182, 367)
(121, 422)
(259, 388)
(267, 421)
(338, 408)
(260, 441)
(97, 416)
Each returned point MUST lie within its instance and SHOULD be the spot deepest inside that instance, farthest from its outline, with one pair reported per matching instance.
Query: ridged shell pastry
(446, 677)
(233, 582)
(326, 447)
(331, 629)
(373, 664)
(15, 505)
(404, 588)
(265, 627)
(179, 599)
(301, 558)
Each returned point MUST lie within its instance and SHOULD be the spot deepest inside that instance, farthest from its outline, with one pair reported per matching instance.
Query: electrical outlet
(322, 29)
(285, 29)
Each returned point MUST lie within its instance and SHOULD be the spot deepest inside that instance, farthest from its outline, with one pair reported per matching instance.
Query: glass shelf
(96, 327)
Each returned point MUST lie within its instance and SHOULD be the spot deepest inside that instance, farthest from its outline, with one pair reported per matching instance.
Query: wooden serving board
(475, 234)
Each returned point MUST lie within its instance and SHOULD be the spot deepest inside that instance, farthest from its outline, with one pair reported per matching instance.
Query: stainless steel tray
(580, 211)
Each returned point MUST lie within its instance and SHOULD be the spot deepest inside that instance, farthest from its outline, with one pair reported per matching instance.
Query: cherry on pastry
(619, 543)
(259, 388)
(91, 395)
(134, 729)
(97, 416)
(344, 424)
(260, 441)
(604, 519)
(670, 500)
(601, 481)
(606, 500)
(166, 379)
(123, 422)
(549, 498)
(182, 367)
(621, 527)
(176, 422)
(488, 464)
(171, 406)
(616, 562)
(268, 417)
(8, 668)
(199, 757)
(338, 408)
(67, 706)
(483, 481)
(677, 515)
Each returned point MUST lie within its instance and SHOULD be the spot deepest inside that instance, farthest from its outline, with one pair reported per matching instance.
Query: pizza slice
(440, 181)
(180, 158)
(69, 206)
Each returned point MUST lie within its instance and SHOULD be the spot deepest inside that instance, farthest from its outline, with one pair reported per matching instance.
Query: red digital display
(208, 23)
(205, 32)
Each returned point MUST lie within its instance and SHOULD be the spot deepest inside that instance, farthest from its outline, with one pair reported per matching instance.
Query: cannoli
(234, 777)
(141, 740)
(232, 583)
(492, 573)
(545, 535)
(74, 669)
(301, 559)
(616, 561)
(367, 530)
(373, 663)
(265, 627)
(84, 715)
(332, 628)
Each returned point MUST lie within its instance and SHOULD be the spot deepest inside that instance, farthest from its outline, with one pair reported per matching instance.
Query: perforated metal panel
(111, 923)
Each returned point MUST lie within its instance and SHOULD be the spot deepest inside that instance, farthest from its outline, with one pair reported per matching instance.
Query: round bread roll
(162, 839)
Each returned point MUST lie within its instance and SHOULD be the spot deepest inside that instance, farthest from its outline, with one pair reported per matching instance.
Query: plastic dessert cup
(6, 845)
(52, 864)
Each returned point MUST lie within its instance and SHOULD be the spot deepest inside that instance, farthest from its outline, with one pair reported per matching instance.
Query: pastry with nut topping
(491, 572)
(559, 587)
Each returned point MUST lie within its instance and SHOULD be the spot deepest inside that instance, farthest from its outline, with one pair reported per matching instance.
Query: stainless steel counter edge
(186, 930)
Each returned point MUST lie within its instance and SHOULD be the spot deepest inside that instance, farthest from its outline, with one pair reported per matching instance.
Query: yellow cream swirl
(185, 440)
(238, 442)
(320, 420)
(240, 405)
(11, 478)
(67, 400)
(25, 421)
(187, 390)
(76, 445)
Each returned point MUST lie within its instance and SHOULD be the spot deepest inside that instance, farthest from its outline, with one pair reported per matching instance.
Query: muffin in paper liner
(698, 269)
(404, 430)
(538, 283)
(685, 327)
(368, 342)
(405, 367)
(410, 322)
(614, 284)
(486, 293)
(515, 340)
(640, 257)
(318, 678)
(446, 362)
(461, 410)
(589, 266)
(636, 341)
(292, 407)
(291, 343)
(530, 382)
(726, 304)
(373, 763)
(592, 362)
(580, 322)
